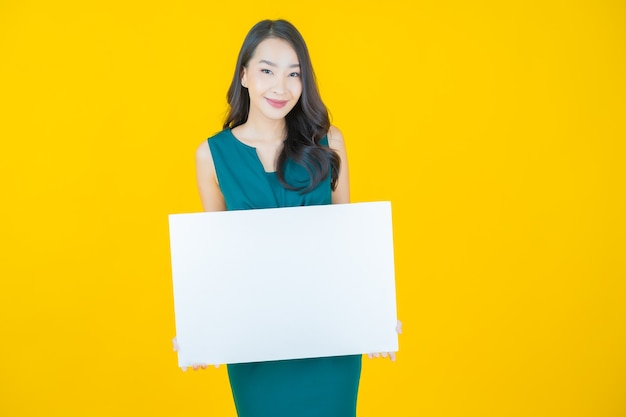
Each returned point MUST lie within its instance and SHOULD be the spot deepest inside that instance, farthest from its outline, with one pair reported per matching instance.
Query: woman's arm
(341, 194)
(210, 193)
(211, 197)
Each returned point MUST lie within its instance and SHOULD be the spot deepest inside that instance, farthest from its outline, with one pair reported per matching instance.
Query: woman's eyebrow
(271, 64)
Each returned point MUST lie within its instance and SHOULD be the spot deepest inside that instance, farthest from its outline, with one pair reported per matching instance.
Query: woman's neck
(263, 129)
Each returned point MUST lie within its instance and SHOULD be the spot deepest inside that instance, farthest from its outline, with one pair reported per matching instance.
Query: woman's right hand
(195, 366)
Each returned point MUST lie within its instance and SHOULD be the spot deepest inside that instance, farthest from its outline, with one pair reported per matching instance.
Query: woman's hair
(307, 122)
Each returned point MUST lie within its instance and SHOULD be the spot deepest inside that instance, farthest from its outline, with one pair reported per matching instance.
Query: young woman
(278, 149)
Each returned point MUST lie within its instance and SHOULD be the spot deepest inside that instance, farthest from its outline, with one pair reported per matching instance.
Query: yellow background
(496, 129)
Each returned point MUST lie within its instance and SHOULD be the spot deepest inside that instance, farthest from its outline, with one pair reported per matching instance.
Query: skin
(271, 75)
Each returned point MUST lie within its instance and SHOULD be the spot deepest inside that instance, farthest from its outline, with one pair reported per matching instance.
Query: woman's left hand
(392, 355)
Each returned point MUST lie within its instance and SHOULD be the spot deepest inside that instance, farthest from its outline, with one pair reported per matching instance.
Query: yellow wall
(495, 128)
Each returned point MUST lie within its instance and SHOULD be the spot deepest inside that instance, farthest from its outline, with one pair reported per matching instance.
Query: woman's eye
(294, 74)
(266, 71)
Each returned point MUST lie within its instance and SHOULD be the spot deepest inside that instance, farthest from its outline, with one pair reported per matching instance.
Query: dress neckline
(252, 148)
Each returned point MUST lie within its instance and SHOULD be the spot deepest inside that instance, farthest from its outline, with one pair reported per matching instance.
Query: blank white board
(285, 283)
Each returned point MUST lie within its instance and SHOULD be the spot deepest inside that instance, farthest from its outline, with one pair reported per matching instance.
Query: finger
(392, 356)
(195, 366)
(377, 355)
(184, 368)
(203, 366)
(175, 344)
(217, 365)
(384, 354)
(369, 355)
(399, 327)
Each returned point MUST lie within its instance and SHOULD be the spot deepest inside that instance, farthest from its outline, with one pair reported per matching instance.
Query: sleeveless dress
(317, 387)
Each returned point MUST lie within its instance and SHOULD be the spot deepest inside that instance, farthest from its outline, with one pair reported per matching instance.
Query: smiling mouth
(276, 103)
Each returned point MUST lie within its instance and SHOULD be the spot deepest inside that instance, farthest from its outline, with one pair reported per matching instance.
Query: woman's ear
(244, 77)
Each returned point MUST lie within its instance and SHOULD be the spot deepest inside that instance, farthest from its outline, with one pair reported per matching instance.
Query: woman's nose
(279, 85)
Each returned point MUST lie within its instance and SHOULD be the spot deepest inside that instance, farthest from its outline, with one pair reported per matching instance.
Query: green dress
(317, 387)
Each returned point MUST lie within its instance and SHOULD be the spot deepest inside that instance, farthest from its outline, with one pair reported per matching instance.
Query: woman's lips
(276, 103)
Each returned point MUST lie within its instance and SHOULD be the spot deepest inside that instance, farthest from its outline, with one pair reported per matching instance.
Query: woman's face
(272, 77)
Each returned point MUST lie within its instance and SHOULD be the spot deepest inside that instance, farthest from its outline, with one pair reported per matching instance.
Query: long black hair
(307, 122)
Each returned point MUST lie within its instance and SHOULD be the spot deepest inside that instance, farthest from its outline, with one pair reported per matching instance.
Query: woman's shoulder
(220, 136)
(203, 151)
(217, 139)
(335, 138)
